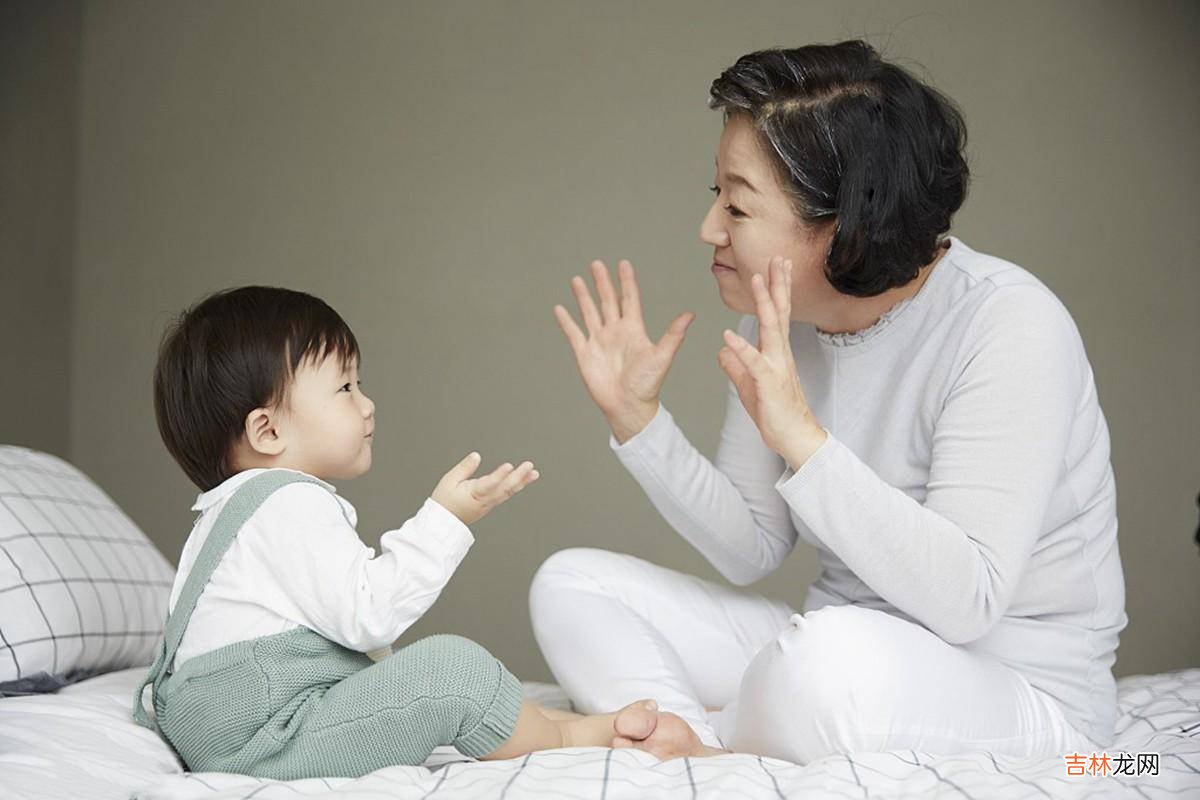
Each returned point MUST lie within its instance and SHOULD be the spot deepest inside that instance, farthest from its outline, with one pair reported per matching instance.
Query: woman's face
(751, 221)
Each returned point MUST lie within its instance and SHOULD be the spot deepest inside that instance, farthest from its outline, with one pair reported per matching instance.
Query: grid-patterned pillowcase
(82, 590)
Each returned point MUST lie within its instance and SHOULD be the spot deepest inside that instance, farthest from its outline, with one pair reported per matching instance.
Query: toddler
(263, 667)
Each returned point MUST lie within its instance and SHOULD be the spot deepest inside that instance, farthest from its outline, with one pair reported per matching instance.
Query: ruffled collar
(889, 317)
(850, 338)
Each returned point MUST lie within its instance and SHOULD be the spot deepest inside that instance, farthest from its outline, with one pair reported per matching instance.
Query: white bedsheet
(80, 743)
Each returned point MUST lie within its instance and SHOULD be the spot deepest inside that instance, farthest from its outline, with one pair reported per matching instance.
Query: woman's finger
(574, 336)
(742, 380)
(587, 308)
(672, 338)
(604, 290)
(631, 296)
(768, 319)
(732, 366)
(781, 296)
(747, 353)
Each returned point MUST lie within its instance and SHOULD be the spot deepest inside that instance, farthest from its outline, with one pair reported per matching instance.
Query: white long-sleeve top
(298, 561)
(965, 484)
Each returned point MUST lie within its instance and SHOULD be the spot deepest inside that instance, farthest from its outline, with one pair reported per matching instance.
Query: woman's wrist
(801, 445)
(631, 422)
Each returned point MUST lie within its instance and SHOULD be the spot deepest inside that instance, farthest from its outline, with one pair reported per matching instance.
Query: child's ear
(262, 432)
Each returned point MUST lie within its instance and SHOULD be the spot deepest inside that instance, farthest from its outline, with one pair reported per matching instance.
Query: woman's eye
(733, 211)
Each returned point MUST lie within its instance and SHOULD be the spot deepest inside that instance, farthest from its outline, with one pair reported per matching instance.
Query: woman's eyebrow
(734, 177)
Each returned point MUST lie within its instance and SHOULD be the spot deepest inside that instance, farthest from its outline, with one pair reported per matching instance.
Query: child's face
(329, 423)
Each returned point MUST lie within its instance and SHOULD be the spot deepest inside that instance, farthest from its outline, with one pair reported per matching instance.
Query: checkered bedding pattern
(82, 590)
(1159, 714)
(81, 743)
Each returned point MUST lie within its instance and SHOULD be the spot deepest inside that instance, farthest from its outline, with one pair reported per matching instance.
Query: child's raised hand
(470, 499)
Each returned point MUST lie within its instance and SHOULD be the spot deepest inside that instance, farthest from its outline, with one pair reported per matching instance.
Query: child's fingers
(517, 480)
(486, 484)
(465, 468)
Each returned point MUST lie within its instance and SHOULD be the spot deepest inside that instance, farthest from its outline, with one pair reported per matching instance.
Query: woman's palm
(620, 364)
(621, 367)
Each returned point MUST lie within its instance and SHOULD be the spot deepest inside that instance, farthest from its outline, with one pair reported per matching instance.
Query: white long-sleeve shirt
(965, 484)
(298, 561)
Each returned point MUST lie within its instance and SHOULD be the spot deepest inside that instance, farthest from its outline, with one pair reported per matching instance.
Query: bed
(80, 743)
(82, 592)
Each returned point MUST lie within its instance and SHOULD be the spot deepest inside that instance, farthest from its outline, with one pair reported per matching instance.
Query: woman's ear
(263, 433)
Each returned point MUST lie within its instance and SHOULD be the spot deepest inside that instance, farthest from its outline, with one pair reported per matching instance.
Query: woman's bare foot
(660, 733)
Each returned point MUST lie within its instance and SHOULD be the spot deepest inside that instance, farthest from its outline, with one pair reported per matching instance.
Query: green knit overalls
(296, 705)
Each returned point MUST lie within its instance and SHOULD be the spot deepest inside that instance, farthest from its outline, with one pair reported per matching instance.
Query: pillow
(82, 590)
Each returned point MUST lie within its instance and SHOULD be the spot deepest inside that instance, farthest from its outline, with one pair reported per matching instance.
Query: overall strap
(237, 511)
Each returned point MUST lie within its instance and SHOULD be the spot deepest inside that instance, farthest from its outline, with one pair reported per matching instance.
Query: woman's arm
(954, 561)
(729, 511)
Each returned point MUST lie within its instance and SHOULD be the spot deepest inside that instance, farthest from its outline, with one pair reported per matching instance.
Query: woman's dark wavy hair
(859, 141)
(231, 353)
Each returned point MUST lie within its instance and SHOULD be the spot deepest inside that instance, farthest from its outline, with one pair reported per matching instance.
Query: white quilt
(80, 743)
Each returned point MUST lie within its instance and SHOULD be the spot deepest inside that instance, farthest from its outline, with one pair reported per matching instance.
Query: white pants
(615, 629)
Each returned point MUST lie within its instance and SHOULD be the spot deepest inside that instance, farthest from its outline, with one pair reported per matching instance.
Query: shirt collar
(206, 500)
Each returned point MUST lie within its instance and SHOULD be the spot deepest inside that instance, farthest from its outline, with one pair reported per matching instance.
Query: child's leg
(558, 713)
(439, 690)
(540, 728)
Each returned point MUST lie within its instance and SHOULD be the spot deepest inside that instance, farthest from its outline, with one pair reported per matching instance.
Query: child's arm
(326, 579)
(318, 572)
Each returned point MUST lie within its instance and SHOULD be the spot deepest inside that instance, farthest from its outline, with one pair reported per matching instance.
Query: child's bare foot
(634, 722)
(660, 733)
(596, 730)
(559, 714)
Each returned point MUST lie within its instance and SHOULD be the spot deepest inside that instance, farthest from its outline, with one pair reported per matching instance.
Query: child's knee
(449, 658)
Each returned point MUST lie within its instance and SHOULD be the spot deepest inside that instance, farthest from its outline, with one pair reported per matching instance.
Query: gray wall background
(39, 120)
(437, 172)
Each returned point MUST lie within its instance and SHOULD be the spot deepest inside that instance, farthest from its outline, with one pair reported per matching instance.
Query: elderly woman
(921, 413)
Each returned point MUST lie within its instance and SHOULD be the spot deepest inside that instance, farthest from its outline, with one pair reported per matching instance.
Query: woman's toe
(671, 738)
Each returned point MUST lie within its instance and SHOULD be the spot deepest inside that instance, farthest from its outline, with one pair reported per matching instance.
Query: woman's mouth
(720, 269)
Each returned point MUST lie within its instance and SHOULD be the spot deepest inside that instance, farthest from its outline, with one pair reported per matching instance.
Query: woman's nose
(711, 231)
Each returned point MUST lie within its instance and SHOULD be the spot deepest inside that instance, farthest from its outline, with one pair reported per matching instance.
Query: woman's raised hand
(765, 376)
(622, 369)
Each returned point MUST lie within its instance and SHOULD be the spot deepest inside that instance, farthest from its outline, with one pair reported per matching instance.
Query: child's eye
(345, 388)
